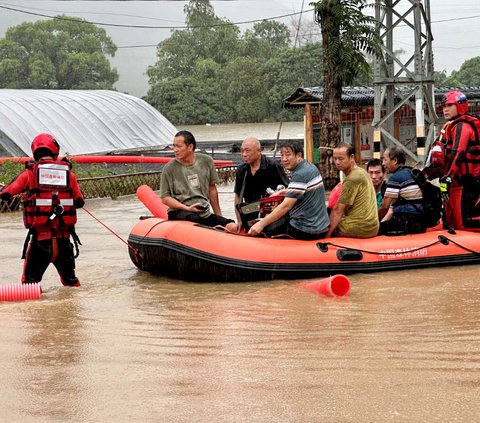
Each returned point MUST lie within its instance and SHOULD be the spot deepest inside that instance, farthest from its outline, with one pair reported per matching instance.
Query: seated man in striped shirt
(303, 213)
(405, 196)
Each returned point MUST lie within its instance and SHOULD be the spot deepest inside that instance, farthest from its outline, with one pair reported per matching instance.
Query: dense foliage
(348, 36)
(467, 76)
(210, 72)
(59, 53)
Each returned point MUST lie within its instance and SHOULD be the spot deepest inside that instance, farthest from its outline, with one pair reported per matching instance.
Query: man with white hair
(253, 177)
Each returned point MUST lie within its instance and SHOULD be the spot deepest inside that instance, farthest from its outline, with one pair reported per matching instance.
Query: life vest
(470, 161)
(436, 155)
(49, 205)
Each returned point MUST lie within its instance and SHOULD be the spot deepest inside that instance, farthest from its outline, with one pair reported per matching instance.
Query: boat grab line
(323, 246)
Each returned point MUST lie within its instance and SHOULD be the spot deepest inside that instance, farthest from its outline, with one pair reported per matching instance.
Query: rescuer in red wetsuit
(455, 159)
(51, 196)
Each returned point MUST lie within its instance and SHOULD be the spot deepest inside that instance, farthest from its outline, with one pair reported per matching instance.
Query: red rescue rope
(135, 251)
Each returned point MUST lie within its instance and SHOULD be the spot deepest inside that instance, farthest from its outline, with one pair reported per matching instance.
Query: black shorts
(403, 224)
(282, 227)
(212, 220)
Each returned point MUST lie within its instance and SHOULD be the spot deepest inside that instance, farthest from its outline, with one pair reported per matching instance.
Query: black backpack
(432, 199)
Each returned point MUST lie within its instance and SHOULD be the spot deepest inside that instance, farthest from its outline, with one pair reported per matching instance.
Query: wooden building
(357, 116)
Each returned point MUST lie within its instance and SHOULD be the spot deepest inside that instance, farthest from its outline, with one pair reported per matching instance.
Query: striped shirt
(309, 214)
(405, 192)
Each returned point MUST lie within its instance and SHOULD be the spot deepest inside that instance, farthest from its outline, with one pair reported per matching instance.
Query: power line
(155, 27)
(139, 46)
(104, 13)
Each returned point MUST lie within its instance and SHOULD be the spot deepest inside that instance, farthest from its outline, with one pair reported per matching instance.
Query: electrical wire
(155, 27)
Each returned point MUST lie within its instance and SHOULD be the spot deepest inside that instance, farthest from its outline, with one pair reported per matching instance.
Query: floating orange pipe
(115, 159)
(334, 286)
(20, 292)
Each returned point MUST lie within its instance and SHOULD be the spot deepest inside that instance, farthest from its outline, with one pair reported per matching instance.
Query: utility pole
(404, 82)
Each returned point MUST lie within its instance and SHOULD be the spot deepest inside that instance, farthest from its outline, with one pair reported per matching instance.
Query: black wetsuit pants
(41, 253)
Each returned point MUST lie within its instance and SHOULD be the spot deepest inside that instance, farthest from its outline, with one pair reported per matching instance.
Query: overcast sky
(455, 26)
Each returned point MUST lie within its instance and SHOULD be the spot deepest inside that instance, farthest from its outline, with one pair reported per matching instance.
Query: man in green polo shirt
(188, 185)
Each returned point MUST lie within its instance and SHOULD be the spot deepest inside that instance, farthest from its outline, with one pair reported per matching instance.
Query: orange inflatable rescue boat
(188, 251)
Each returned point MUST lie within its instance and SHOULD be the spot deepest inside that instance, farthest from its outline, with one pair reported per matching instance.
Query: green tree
(12, 64)
(226, 76)
(289, 69)
(243, 86)
(206, 37)
(59, 53)
(184, 82)
(192, 99)
(347, 35)
(468, 75)
(443, 80)
(266, 39)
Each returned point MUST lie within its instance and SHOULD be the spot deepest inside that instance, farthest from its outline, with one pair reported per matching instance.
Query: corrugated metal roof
(358, 96)
(364, 96)
(83, 122)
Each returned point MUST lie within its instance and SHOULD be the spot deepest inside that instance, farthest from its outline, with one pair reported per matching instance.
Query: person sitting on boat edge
(355, 213)
(188, 185)
(404, 194)
(253, 178)
(303, 213)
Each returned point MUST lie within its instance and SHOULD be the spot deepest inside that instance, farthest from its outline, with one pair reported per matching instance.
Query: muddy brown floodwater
(131, 347)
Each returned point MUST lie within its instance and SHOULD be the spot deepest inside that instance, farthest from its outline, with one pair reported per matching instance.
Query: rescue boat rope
(323, 246)
(462, 246)
(112, 231)
(153, 227)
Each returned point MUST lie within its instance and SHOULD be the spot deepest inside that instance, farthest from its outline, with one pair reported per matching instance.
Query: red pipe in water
(20, 292)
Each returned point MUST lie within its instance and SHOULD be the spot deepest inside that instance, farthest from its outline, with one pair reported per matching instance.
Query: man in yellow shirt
(355, 215)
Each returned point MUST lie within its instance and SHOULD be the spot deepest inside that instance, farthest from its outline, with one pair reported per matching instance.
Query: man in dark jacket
(253, 177)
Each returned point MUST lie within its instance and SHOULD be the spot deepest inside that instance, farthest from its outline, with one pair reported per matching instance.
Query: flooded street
(131, 347)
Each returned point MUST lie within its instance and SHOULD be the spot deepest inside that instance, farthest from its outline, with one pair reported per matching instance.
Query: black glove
(79, 203)
(5, 196)
(445, 187)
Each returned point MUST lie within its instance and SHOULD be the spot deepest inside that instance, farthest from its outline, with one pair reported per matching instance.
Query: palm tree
(347, 36)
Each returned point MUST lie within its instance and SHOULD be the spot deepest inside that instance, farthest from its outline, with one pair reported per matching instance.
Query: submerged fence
(118, 185)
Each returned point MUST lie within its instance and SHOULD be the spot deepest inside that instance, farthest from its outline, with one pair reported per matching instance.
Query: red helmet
(43, 142)
(457, 98)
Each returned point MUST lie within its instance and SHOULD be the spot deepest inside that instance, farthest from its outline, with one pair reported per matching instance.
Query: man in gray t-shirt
(188, 185)
(303, 212)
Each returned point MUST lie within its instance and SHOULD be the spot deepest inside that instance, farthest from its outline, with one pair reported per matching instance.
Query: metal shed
(83, 121)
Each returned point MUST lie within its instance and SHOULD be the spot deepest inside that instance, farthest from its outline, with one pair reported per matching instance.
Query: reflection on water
(129, 346)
